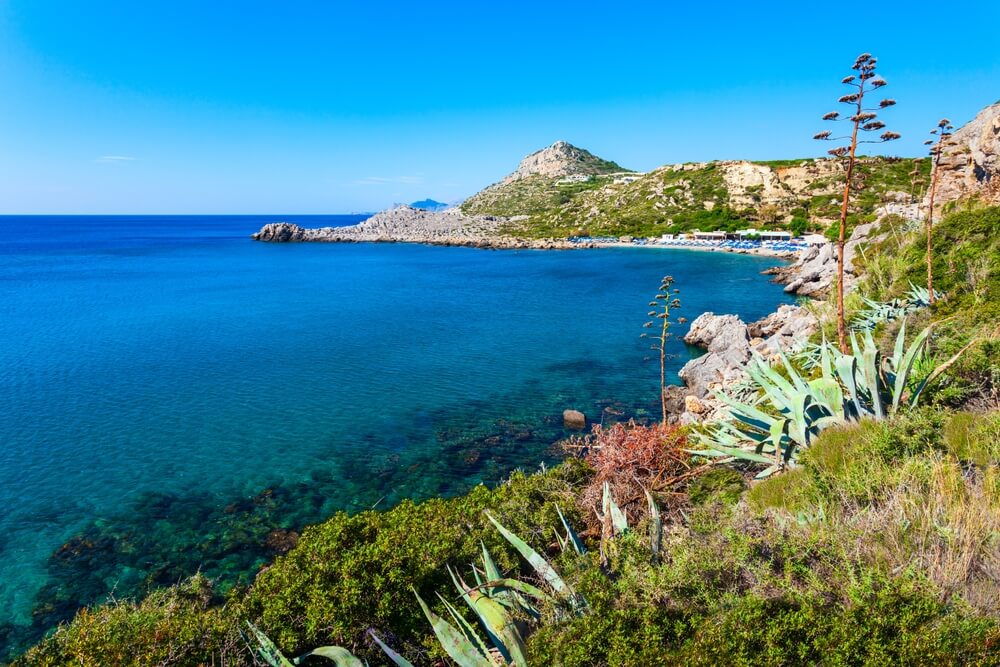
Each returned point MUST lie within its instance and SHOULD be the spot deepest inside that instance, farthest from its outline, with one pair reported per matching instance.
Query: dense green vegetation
(966, 262)
(670, 200)
(879, 547)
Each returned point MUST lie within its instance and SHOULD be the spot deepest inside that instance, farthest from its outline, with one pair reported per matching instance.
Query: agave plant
(921, 296)
(266, 649)
(878, 312)
(499, 603)
(794, 409)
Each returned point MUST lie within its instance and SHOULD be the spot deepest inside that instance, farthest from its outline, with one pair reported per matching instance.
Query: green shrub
(720, 484)
(973, 438)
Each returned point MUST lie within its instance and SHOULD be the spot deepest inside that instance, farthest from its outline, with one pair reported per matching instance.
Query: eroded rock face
(971, 167)
(782, 329)
(280, 232)
(724, 335)
(750, 184)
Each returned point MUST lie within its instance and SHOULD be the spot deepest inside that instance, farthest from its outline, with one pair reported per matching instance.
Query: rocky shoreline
(451, 227)
(406, 224)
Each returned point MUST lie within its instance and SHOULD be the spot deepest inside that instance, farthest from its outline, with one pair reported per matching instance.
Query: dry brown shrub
(630, 457)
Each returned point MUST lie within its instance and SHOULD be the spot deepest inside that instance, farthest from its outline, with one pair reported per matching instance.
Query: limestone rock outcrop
(729, 345)
(727, 341)
(814, 272)
(559, 160)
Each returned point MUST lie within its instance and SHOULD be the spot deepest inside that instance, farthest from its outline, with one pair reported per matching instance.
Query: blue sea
(176, 397)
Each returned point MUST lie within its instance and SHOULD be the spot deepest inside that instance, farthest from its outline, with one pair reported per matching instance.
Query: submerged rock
(574, 420)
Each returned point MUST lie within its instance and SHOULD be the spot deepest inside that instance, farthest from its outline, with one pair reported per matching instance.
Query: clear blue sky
(326, 107)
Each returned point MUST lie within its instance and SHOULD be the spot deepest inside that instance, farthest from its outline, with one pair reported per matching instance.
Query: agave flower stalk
(943, 132)
(863, 119)
(666, 299)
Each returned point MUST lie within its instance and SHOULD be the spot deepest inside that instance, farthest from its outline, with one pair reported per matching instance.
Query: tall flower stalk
(665, 300)
(863, 119)
(943, 132)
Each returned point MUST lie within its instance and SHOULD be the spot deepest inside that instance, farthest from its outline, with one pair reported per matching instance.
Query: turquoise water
(173, 392)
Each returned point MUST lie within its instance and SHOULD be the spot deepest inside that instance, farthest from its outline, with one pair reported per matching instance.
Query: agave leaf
(748, 414)
(340, 656)
(655, 525)
(775, 387)
(453, 641)
(855, 348)
(396, 658)
(721, 450)
(847, 370)
(825, 362)
(779, 429)
(521, 587)
(797, 379)
(618, 520)
(461, 587)
(489, 567)
(870, 374)
(563, 542)
(798, 426)
(762, 366)
(466, 628)
(905, 366)
(497, 623)
(767, 472)
(708, 453)
(267, 650)
(571, 534)
(830, 394)
(540, 565)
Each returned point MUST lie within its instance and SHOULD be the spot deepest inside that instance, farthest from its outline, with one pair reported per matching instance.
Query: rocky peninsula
(405, 224)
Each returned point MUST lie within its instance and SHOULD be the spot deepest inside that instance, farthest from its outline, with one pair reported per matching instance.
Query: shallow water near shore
(177, 397)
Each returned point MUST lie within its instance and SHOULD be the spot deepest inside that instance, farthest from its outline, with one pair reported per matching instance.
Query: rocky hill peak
(561, 159)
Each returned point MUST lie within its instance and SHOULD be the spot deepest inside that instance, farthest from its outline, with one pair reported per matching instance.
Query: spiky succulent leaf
(453, 641)
(470, 632)
(655, 524)
(905, 365)
(340, 656)
(618, 520)
(396, 658)
(571, 534)
(540, 565)
(267, 650)
(497, 623)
